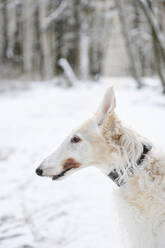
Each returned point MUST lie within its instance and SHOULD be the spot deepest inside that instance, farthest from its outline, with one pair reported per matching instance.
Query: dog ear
(107, 106)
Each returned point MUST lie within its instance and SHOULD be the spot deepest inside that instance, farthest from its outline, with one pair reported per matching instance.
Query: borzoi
(129, 160)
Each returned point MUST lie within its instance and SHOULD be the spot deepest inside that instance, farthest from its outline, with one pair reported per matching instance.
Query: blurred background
(85, 39)
(57, 57)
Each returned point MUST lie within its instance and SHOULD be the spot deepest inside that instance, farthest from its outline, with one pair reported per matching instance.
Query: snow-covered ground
(77, 212)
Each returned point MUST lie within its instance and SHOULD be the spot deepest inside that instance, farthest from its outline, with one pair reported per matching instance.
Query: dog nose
(39, 171)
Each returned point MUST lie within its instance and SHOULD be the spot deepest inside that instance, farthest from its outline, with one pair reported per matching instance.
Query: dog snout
(39, 171)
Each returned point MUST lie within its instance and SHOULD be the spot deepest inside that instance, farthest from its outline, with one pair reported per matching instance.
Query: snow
(79, 211)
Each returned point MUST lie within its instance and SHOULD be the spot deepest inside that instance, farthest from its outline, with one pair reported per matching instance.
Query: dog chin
(57, 178)
(61, 175)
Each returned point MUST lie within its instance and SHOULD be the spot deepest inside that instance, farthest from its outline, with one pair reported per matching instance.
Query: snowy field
(77, 212)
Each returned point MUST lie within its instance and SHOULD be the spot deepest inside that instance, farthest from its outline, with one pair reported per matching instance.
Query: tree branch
(48, 20)
(154, 25)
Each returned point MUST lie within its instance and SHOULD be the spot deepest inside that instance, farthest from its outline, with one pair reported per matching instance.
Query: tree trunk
(157, 55)
(135, 43)
(133, 62)
(1, 33)
(84, 50)
(5, 25)
(154, 25)
(28, 36)
(11, 30)
(45, 42)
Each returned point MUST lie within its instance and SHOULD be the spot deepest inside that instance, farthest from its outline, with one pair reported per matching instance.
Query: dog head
(84, 147)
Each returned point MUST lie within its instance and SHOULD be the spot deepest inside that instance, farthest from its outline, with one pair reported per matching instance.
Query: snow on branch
(49, 19)
(68, 71)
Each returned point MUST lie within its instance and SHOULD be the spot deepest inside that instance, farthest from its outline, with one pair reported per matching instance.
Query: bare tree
(28, 36)
(134, 63)
(48, 70)
(5, 30)
(1, 33)
(154, 24)
(84, 42)
(157, 38)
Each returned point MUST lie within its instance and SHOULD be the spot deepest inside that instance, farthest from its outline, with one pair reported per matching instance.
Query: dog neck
(116, 176)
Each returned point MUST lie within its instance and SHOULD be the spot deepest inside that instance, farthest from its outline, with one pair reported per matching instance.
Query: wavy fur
(141, 201)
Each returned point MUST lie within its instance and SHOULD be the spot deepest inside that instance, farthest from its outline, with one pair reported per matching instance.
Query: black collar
(115, 176)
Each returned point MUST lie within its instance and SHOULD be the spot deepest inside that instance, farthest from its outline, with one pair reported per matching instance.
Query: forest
(70, 39)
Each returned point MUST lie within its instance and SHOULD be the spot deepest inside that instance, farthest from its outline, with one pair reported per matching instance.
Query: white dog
(129, 160)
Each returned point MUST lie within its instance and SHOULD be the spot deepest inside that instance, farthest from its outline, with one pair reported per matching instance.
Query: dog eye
(75, 139)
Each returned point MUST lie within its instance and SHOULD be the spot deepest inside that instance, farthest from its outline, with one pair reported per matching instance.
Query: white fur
(107, 144)
(143, 219)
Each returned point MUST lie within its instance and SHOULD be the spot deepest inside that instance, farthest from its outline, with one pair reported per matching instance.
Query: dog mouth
(61, 174)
